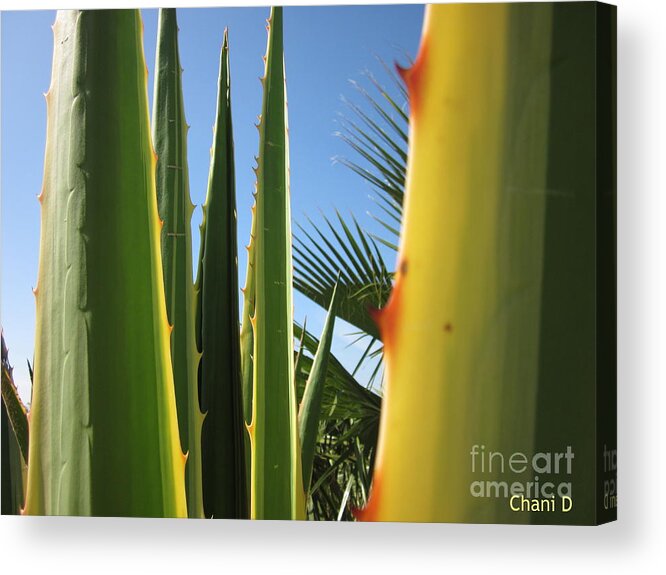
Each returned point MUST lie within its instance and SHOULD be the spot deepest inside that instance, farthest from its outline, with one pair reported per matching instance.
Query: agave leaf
(247, 343)
(247, 333)
(17, 414)
(468, 283)
(103, 425)
(223, 436)
(12, 467)
(14, 432)
(310, 407)
(277, 483)
(175, 209)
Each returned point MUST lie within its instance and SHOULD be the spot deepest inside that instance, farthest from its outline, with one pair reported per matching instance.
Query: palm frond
(375, 128)
(348, 429)
(365, 281)
(379, 138)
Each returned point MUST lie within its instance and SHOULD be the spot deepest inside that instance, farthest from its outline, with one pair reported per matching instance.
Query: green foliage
(247, 332)
(378, 139)
(247, 342)
(365, 281)
(310, 407)
(103, 424)
(223, 438)
(469, 286)
(120, 396)
(14, 437)
(348, 428)
(15, 410)
(175, 209)
(277, 491)
(375, 128)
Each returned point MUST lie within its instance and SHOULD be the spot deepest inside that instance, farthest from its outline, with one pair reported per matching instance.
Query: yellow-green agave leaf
(103, 424)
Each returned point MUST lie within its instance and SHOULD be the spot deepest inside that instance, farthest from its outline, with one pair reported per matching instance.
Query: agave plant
(277, 486)
(482, 93)
(103, 426)
(116, 422)
(224, 446)
(14, 435)
(175, 209)
(245, 376)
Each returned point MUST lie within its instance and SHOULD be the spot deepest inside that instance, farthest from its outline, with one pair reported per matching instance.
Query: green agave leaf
(247, 342)
(471, 262)
(223, 437)
(12, 467)
(103, 425)
(16, 412)
(175, 209)
(247, 333)
(14, 437)
(310, 408)
(277, 490)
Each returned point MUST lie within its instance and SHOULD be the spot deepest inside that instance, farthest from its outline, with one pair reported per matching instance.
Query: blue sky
(325, 48)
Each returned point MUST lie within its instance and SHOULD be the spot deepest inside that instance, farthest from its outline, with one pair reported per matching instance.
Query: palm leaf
(379, 137)
(365, 281)
(376, 131)
(348, 428)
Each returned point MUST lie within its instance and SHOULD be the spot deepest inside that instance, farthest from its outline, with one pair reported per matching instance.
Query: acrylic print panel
(399, 304)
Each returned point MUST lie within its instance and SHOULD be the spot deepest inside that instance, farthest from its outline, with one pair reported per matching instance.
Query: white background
(633, 544)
